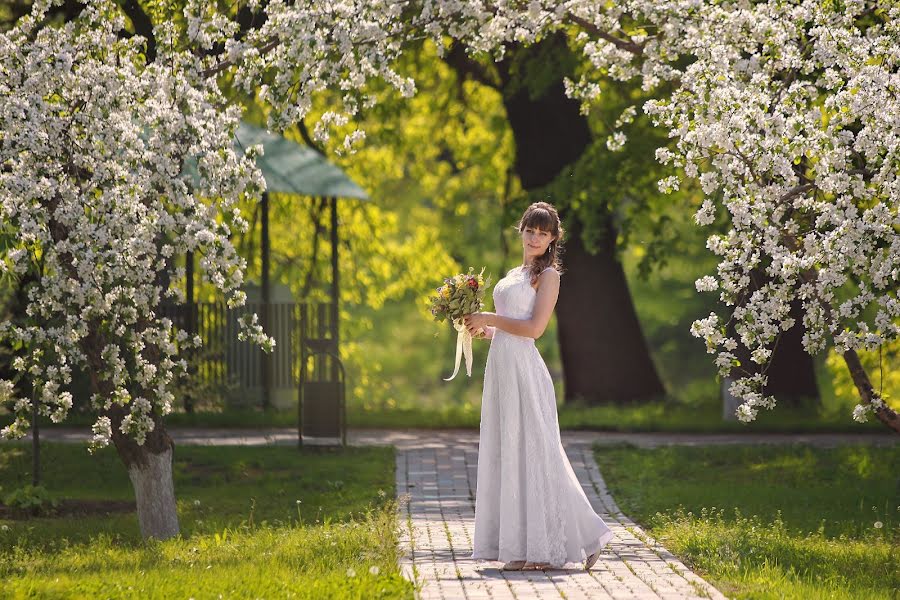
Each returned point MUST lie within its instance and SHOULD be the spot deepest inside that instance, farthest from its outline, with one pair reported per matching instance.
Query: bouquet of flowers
(460, 295)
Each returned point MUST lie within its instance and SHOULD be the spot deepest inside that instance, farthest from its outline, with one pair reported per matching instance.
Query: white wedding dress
(529, 504)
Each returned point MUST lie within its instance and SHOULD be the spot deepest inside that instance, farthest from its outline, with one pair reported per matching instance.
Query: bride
(530, 509)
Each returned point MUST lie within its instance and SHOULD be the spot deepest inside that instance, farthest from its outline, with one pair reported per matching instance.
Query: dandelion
(382, 493)
(374, 569)
(878, 524)
(196, 503)
(4, 528)
(351, 572)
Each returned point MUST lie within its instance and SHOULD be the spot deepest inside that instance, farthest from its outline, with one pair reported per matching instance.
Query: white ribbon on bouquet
(463, 347)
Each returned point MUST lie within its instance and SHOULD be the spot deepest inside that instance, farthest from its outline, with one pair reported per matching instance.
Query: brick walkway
(437, 524)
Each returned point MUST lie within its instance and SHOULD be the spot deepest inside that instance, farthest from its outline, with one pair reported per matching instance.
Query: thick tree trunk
(792, 374)
(155, 495)
(149, 464)
(150, 470)
(604, 354)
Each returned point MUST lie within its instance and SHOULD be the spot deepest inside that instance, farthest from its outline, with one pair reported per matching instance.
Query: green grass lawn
(255, 522)
(769, 522)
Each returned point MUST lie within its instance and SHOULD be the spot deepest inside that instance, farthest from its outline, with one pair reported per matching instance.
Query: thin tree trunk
(857, 372)
(604, 353)
(867, 393)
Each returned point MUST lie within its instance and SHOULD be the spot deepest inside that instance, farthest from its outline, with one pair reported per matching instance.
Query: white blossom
(706, 283)
(93, 145)
(784, 112)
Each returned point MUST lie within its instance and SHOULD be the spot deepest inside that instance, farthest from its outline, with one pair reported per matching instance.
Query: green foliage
(540, 67)
(31, 498)
(768, 521)
(436, 168)
(256, 522)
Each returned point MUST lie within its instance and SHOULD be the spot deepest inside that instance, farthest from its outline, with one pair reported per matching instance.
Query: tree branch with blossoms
(93, 142)
(777, 114)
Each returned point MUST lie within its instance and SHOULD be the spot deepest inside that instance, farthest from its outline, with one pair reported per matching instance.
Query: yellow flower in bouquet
(461, 295)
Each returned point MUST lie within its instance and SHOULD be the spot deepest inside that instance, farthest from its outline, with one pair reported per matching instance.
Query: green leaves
(30, 497)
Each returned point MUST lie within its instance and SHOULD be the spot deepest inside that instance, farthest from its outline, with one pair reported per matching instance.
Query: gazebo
(292, 168)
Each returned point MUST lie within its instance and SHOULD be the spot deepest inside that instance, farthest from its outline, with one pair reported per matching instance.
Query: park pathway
(436, 478)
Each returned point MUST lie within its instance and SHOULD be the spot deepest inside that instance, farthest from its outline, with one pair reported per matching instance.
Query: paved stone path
(437, 524)
(436, 475)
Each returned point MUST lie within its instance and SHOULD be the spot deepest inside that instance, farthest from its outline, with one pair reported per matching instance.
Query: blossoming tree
(783, 110)
(96, 201)
(779, 111)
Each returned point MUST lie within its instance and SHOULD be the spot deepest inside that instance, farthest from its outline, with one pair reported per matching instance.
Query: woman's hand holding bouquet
(460, 295)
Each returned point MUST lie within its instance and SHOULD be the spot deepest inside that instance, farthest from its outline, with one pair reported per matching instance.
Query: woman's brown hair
(543, 216)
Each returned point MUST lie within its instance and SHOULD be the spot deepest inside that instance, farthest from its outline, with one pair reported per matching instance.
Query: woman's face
(535, 241)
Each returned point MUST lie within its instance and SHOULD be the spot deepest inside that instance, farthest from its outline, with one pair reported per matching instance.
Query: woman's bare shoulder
(545, 275)
(548, 270)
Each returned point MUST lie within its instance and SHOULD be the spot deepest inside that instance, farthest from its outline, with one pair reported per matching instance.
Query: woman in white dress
(530, 510)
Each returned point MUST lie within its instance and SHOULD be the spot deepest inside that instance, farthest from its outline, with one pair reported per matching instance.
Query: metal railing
(298, 328)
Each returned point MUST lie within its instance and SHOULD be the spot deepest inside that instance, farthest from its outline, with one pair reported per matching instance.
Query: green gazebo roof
(294, 168)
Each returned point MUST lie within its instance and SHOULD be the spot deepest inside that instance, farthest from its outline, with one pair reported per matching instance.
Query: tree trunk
(884, 413)
(792, 374)
(149, 464)
(604, 354)
(154, 492)
(150, 470)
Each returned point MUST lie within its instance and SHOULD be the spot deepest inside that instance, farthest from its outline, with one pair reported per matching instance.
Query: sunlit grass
(769, 522)
(256, 522)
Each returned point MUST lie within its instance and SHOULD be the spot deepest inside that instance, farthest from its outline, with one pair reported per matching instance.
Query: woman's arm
(547, 295)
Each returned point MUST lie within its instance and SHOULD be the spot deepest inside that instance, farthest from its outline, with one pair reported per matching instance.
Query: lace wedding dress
(529, 504)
